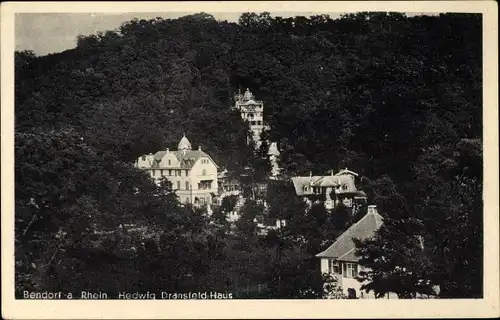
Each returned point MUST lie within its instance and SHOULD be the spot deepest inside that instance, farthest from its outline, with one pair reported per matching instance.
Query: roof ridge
(345, 254)
(345, 232)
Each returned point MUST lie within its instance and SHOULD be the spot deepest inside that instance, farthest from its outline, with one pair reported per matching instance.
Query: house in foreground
(340, 261)
(192, 173)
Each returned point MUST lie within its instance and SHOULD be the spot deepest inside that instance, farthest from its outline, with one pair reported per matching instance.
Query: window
(333, 267)
(169, 162)
(178, 185)
(350, 270)
(203, 185)
(187, 185)
(154, 172)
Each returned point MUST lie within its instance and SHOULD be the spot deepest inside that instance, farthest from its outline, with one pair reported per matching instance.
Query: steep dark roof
(343, 248)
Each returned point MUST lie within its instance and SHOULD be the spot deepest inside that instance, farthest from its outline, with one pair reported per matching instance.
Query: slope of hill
(381, 93)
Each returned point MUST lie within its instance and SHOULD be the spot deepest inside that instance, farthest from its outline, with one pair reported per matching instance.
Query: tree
(396, 261)
(336, 95)
(247, 223)
(83, 217)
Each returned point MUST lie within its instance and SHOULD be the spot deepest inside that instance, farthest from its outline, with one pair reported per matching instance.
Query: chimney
(168, 150)
(310, 174)
(199, 148)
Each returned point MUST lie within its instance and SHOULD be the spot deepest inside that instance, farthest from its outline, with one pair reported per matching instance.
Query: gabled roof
(326, 181)
(343, 249)
(186, 158)
(300, 182)
(323, 181)
(346, 171)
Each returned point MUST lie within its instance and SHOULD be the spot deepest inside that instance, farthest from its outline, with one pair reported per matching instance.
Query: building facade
(340, 261)
(228, 184)
(332, 190)
(192, 173)
(252, 111)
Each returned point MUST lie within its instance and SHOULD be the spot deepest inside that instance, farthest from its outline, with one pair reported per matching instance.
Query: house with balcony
(192, 173)
(332, 190)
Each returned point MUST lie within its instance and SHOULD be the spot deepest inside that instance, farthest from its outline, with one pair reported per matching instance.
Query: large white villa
(192, 173)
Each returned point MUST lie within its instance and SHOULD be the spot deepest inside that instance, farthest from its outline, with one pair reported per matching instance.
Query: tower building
(252, 111)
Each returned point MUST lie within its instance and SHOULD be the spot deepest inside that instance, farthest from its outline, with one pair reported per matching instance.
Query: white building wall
(178, 177)
(145, 161)
(174, 162)
(196, 175)
(346, 283)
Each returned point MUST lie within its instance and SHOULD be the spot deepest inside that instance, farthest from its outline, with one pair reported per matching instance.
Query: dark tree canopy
(395, 98)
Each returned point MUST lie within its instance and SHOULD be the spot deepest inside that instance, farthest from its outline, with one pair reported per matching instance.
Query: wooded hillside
(396, 99)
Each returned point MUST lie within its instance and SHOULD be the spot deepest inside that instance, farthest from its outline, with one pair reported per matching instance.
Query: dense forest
(397, 99)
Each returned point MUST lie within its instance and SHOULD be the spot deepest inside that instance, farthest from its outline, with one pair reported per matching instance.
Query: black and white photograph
(255, 155)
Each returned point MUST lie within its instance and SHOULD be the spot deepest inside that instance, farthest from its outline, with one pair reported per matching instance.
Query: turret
(184, 144)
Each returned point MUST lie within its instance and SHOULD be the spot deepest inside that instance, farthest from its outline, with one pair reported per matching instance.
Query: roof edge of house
(322, 254)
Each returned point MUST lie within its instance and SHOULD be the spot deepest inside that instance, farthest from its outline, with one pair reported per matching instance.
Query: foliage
(440, 244)
(83, 221)
(395, 98)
